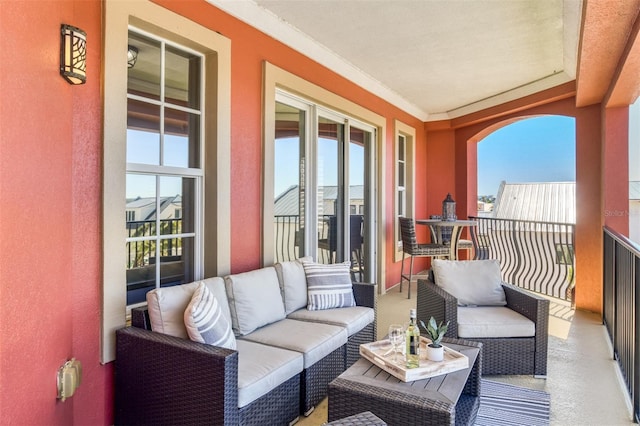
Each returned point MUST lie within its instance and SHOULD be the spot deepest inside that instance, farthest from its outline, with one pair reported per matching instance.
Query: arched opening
(526, 186)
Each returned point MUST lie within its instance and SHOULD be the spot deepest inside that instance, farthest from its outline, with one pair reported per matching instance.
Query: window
(564, 254)
(634, 172)
(166, 156)
(164, 169)
(404, 179)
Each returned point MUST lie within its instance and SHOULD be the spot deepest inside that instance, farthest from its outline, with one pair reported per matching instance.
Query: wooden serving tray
(380, 354)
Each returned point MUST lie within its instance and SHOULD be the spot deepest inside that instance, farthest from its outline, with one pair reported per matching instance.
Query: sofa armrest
(161, 379)
(433, 301)
(365, 294)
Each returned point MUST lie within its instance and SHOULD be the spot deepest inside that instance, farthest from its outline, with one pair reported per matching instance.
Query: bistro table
(436, 226)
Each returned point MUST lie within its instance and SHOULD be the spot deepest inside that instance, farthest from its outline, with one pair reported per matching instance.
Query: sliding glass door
(322, 180)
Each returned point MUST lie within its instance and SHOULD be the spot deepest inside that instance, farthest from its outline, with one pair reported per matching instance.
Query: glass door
(325, 213)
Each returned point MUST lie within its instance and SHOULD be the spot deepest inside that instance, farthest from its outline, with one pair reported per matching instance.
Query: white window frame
(159, 171)
(407, 134)
(216, 49)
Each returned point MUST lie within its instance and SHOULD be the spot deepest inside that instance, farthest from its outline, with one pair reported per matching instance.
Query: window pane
(289, 194)
(182, 78)
(181, 139)
(401, 175)
(401, 148)
(143, 78)
(176, 261)
(177, 196)
(141, 274)
(143, 133)
(141, 203)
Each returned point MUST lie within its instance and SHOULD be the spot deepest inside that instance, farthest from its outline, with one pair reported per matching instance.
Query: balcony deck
(582, 378)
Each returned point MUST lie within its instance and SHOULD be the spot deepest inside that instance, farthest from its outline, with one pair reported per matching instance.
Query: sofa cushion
(205, 321)
(493, 321)
(328, 286)
(262, 368)
(313, 340)
(472, 282)
(167, 305)
(254, 299)
(353, 319)
(293, 284)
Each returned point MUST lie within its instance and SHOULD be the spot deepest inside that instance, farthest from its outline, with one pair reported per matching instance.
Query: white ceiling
(435, 59)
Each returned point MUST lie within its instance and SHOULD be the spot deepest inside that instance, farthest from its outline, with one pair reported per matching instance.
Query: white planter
(435, 354)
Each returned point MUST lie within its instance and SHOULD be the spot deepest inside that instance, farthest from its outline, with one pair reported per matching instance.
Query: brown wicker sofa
(165, 379)
(501, 355)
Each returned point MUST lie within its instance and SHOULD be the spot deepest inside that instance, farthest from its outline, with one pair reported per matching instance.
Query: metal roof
(540, 201)
(286, 204)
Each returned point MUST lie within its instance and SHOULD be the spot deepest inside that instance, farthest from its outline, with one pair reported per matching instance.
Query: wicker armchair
(504, 355)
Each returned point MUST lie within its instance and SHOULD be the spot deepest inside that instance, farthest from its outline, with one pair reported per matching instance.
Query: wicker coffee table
(449, 399)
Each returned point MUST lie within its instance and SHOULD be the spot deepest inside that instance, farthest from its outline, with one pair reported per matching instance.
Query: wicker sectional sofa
(284, 358)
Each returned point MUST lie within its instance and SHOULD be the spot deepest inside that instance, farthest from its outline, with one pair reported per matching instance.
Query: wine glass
(396, 335)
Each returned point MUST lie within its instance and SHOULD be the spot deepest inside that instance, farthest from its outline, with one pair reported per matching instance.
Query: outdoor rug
(504, 404)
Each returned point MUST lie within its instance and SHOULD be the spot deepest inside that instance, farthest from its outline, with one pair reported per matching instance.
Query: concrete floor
(582, 378)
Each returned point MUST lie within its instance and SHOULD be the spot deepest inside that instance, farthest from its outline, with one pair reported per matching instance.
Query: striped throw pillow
(328, 286)
(205, 321)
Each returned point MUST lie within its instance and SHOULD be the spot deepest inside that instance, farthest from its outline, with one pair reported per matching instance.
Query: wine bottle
(413, 342)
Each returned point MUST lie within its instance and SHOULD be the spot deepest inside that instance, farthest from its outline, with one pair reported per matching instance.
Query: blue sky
(541, 149)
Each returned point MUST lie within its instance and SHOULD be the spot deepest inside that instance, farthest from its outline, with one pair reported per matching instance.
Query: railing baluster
(533, 255)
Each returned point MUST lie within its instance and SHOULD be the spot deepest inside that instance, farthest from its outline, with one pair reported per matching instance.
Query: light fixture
(132, 56)
(73, 54)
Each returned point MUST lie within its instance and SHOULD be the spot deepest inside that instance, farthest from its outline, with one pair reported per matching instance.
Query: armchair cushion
(293, 284)
(493, 321)
(328, 286)
(254, 299)
(205, 321)
(472, 282)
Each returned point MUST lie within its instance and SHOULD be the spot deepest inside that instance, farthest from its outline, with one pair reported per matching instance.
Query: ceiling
(436, 59)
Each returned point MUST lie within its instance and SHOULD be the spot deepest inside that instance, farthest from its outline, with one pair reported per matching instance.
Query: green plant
(434, 331)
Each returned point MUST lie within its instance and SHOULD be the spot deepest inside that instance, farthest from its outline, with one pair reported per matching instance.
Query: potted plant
(435, 351)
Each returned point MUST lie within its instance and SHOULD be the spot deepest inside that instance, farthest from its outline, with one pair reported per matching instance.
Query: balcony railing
(536, 256)
(621, 282)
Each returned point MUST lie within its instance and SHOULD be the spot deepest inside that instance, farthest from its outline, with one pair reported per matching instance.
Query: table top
(446, 388)
(440, 222)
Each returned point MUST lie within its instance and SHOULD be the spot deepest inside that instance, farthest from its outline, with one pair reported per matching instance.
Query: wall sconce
(132, 56)
(73, 54)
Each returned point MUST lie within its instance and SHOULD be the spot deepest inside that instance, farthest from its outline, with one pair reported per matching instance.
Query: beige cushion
(293, 284)
(254, 299)
(493, 321)
(353, 319)
(472, 282)
(167, 305)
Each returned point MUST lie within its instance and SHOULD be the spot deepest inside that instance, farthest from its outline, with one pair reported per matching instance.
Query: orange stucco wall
(50, 192)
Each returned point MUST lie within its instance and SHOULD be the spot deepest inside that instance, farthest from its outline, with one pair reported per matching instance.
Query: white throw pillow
(472, 282)
(328, 286)
(205, 321)
(254, 299)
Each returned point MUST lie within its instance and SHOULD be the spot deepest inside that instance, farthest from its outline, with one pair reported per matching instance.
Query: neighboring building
(537, 201)
(144, 208)
(286, 204)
